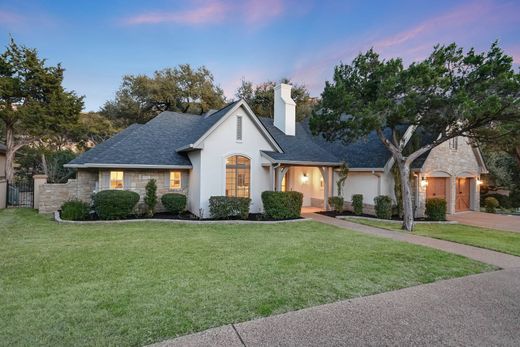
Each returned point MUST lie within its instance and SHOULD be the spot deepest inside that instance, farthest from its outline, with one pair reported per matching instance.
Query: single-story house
(235, 153)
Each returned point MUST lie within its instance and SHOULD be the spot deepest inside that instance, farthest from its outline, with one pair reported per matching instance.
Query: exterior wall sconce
(424, 182)
(479, 182)
(305, 178)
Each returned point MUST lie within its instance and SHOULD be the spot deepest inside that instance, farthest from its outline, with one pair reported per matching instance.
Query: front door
(462, 195)
(436, 188)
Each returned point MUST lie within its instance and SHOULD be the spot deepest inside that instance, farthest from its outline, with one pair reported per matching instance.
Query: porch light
(305, 178)
(424, 182)
(479, 182)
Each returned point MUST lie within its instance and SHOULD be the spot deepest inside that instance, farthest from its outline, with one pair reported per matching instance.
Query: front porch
(316, 183)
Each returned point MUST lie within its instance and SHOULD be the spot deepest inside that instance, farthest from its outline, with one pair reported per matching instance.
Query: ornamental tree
(34, 106)
(451, 93)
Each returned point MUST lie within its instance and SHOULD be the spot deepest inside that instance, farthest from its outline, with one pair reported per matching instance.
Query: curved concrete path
(501, 260)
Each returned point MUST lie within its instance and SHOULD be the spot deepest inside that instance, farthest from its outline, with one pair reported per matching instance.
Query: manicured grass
(497, 240)
(138, 283)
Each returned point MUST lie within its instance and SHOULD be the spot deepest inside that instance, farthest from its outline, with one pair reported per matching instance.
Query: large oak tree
(34, 106)
(451, 93)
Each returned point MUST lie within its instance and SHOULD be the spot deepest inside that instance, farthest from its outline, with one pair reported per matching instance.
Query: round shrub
(74, 210)
(436, 209)
(282, 205)
(336, 202)
(357, 204)
(383, 206)
(491, 204)
(225, 207)
(115, 204)
(174, 203)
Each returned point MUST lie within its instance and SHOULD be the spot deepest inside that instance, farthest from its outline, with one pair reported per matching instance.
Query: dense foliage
(225, 207)
(174, 203)
(75, 210)
(336, 202)
(451, 93)
(282, 205)
(491, 204)
(115, 204)
(181, 89)
(436, 209)
(383, 206)
(150, 199)
(357, 204)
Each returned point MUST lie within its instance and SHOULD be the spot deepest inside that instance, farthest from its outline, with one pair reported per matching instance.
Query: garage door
(462, 200)
(436, 188)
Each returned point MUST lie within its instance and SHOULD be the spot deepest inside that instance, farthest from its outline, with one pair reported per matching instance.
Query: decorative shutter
(126, 181)
(167, 179)
(239, 128)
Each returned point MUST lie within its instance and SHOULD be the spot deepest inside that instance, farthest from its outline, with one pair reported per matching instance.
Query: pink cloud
(7, 17)
(253, 12)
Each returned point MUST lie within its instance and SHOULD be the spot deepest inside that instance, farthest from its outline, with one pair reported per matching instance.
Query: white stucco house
(233, 152)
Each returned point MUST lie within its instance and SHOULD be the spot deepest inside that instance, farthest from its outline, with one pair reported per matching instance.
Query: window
(175, 180)
(284, 183)
(239, 128)
(453, 143)
(116, 179)
(238, 171)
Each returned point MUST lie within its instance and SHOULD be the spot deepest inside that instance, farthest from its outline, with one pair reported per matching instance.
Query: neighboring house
(233, 152)
(3, 149)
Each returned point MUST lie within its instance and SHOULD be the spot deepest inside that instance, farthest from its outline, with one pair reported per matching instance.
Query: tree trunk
(404, 170)
(9, 154)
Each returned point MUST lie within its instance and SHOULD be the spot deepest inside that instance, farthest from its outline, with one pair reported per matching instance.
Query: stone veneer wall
(52, 196)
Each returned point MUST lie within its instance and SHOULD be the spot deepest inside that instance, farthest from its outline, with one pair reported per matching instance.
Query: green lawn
(497, 240)
(138, 283)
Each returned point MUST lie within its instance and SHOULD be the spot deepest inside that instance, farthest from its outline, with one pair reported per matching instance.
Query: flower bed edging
(58, 219)
(399, 221)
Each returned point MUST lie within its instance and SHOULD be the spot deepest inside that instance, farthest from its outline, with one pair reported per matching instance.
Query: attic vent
(239, 128)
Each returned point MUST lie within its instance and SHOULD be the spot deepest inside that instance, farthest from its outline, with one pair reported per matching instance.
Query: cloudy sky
(99, 41)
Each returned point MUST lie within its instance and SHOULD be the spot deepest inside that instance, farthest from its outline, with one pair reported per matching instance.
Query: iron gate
(20, 193)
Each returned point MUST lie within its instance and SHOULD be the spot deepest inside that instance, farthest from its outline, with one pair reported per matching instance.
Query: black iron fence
(20, 193)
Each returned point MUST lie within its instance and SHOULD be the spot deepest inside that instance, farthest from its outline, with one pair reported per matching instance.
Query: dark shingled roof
(160, 142)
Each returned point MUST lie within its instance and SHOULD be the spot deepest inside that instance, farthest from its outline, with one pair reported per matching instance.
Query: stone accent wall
(443, 161)
(53, 195)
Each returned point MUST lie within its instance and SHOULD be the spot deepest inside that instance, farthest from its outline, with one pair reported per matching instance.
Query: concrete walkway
(501, 260)
(488, 220)
(479, 310)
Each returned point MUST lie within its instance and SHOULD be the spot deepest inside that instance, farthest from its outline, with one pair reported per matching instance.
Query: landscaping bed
(138, 283)
(335, 214)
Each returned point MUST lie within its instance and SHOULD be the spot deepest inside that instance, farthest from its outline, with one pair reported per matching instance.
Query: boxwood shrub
(336, 202)
(491, 204)
(282, 205)
(225, 207)
(115, 204)
(383, 206)
(174, 203)
(357, 204)
(436, 209)
(75, 210)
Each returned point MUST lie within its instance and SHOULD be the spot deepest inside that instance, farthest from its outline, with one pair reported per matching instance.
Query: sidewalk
(501, 260)
(473, 310)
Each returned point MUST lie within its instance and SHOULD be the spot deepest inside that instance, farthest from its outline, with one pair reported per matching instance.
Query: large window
(175, 180)
(116, 179)
(238, 172)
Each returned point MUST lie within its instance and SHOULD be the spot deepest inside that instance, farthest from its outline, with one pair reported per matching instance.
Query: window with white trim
(239, 128)
(116, 179)
(175, 180)
(238, 173)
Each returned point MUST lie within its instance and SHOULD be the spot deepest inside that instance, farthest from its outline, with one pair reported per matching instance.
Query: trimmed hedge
(75, 210)
(282, 205)
(436, 209)
(174, 203)
(383, 206)
(491, 204)
(357, 204)
(225, 207)
(336, 202)
(115, 204)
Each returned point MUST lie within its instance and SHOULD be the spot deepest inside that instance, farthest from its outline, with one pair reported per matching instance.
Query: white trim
(223, 182)
(299, 162)
(128, 166)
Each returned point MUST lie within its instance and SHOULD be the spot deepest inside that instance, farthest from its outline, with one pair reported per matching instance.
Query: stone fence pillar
(39, 180)
(3, 193)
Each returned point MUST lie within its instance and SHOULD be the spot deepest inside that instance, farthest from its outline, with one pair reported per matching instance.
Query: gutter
(127, 166)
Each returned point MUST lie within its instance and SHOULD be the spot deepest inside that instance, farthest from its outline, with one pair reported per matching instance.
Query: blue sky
(99, 41)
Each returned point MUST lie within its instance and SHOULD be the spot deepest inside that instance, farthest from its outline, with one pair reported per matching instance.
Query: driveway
(479, 310)
(488, 220)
